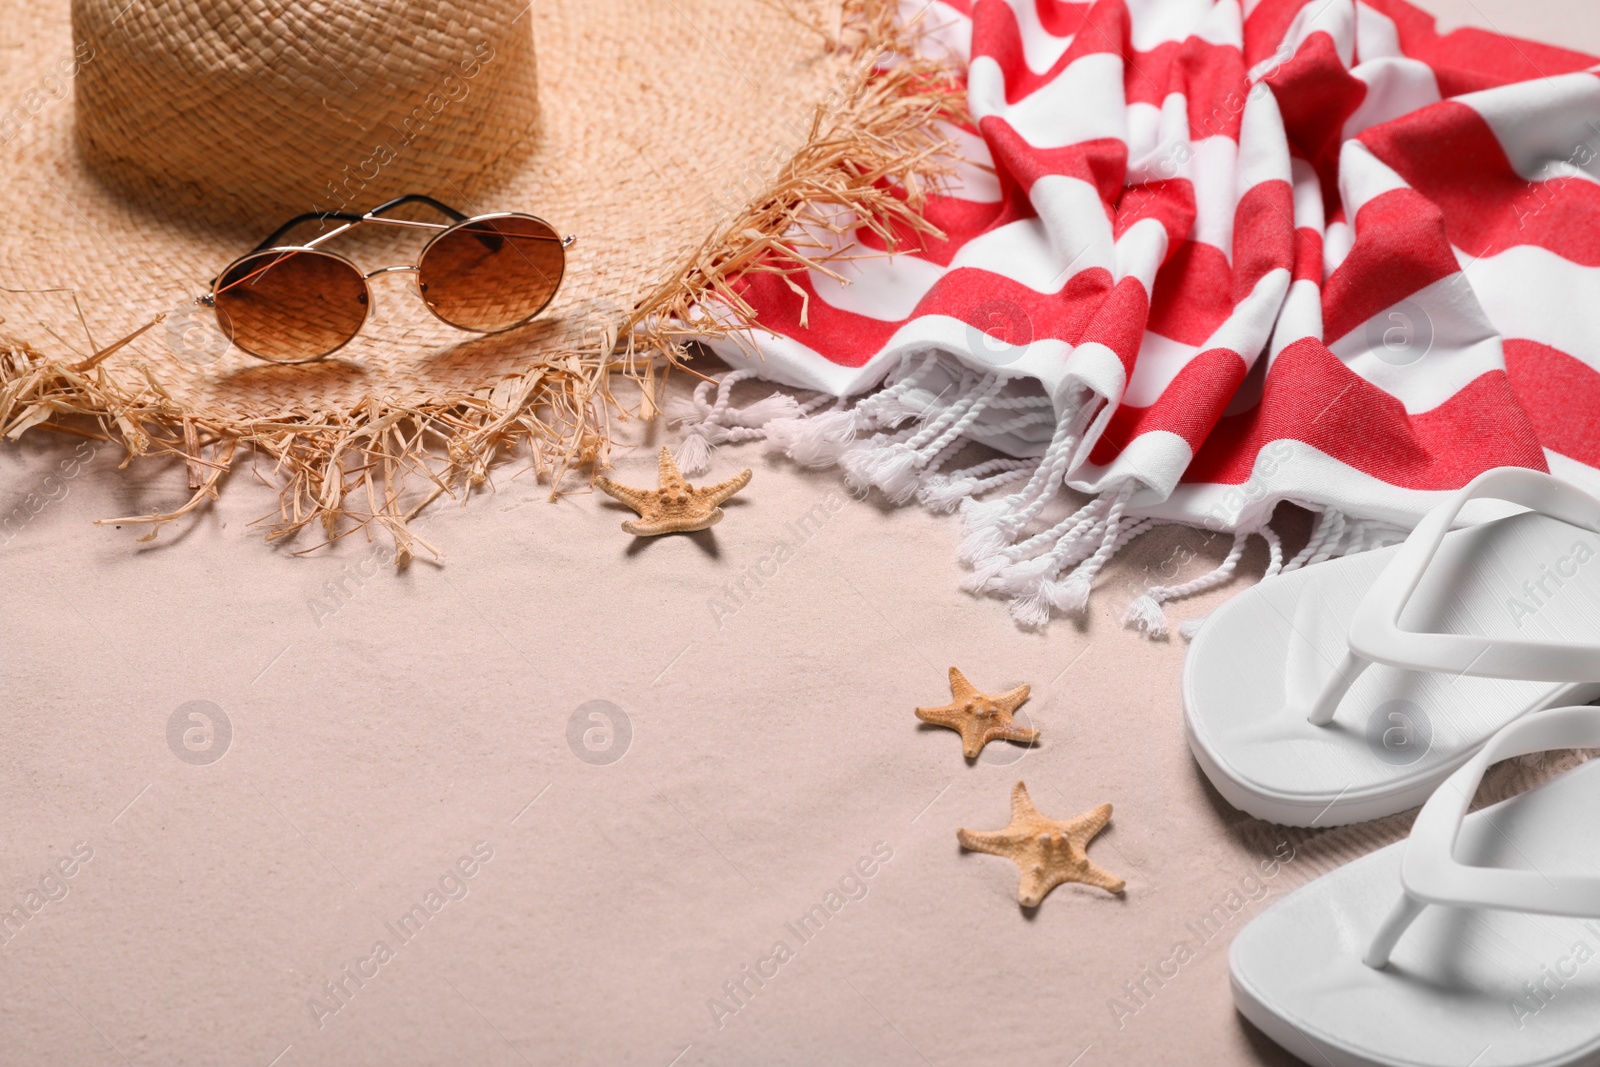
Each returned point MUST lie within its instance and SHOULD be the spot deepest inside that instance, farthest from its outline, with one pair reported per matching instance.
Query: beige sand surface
(385, 737)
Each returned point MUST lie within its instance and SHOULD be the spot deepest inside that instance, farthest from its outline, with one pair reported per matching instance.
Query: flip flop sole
(1463, 986)
(1254, 670)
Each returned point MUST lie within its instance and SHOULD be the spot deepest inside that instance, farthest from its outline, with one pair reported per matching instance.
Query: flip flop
(1349, 690)
(1476, 941)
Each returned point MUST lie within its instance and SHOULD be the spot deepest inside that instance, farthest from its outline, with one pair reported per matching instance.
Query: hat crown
(236, 107)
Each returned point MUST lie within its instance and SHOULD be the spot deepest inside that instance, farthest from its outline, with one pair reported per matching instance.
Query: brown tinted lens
(289, 306)
(489, 274)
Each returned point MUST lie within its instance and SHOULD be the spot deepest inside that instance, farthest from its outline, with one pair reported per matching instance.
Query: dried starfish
(979, 717)
(675, 507)
(1048, 851)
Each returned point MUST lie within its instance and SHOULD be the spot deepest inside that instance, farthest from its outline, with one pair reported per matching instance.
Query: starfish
(677, 506)
(1048, 851)
(980, 717)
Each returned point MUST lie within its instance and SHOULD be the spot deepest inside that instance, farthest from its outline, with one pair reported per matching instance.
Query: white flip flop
(1476, 941)
(1349, 690)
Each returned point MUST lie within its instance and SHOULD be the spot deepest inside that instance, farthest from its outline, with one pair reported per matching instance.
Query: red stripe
(1263, 235)
(1119, 322)
(1400, 247)
(1102, 163)
(959, 220)
(1311, 396)
(1011, 312)
(1470, 59)
(1561, 395)
(1449, 154)
(1192, 293)
(1316, 95)
(1088, 308)
(1104, 28)
(1169, 201)
(1061, 18)
(1189, 406)
(1265, 28)
(1211, 77)
(1307, 255)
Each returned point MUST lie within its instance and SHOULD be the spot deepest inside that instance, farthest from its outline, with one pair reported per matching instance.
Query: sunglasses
(298, 303)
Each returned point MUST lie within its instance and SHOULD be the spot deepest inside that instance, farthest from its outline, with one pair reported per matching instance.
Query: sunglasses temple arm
(299, 220)
(418, 198)
(350, 217)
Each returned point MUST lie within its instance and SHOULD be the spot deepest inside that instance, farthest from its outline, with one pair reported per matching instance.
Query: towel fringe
(914, 433)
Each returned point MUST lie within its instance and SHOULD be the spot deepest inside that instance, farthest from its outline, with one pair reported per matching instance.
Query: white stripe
(888, 288)
(1156, 458)
(1336, 18)
(1531, 293)
(1395, 87)
(1082, 103)
(1157, 22)
(1263, 147)
(1426, 348)
(1212, 171)
(1307, 196)
(1337, 240)
(1377, 37)
(1140, 251)
(880, 287)
(1578, 473)
(1040, 48)
(1548, 127)
(1243, 332)
(1154, 134)
(1363, 177)
(1299, 318)
(1074, 218)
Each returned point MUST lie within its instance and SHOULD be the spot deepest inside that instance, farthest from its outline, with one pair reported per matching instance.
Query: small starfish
(677, 506)
(980, 717)
(1048, 851)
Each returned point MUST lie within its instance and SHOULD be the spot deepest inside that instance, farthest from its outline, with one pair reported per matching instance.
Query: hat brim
(682, 141)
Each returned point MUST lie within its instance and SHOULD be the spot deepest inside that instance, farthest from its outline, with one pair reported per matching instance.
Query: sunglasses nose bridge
(412, 268)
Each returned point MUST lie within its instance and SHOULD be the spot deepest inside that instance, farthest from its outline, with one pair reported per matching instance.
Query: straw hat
(146, 145)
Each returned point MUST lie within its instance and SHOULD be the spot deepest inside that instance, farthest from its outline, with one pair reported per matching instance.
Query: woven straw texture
(149, 144)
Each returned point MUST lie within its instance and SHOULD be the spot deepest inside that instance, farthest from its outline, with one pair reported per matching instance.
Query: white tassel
(893, 468)
(816, 440)
(694, 453)
(776, 406)
(983, 574)
(709, 422)
(944, 493)
(1070, 596)
(983, 543)
(1145, 614)
(947, 492)
(1024, 576)
(1032, 612)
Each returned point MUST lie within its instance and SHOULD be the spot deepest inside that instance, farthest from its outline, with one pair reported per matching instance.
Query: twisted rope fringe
(915, 433)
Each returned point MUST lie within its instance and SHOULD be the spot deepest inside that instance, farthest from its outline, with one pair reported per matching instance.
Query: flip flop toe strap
(1377, 637)
(1429, 871)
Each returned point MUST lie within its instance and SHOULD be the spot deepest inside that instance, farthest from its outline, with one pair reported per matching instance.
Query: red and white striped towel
(1202, 259)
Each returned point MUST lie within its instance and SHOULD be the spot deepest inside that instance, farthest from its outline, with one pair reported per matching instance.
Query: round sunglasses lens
(493, 273)
(289, 306)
